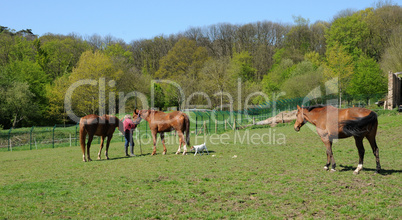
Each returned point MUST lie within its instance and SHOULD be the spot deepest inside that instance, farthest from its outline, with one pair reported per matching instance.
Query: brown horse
(103, 126)
(333, 123)
(160, 122)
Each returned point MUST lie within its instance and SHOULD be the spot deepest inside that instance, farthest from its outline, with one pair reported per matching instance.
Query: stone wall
(394, 97)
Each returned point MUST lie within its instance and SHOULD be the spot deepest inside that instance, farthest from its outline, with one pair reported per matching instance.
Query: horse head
(300, 120)
(140, 114)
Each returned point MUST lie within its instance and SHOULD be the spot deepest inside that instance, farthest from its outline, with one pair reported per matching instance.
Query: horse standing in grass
(333, 123)
(160, 122)
(103, 126)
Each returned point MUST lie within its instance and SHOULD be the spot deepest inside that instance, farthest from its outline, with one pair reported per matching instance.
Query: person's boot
(132, 151)
(127, 151)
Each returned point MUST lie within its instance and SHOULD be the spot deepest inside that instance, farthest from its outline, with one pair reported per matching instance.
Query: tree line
(267, 59)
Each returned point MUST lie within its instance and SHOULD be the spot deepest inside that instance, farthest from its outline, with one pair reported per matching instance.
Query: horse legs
(163, 142)
(376, 151)
(154, 139)
(182, 141)
(83, 135)
(109, 138)
(360, 148)
(101, 146)
(330, 155)
(90, 138)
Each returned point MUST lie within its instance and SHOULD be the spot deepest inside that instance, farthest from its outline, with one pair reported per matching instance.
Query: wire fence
(202, 121)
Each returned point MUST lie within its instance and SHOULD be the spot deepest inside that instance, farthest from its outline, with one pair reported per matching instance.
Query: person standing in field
(129, 127)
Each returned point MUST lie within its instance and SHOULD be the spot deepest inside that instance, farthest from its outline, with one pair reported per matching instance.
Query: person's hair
(127, 116)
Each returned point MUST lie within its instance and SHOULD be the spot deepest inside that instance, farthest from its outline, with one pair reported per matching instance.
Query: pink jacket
(128, 124)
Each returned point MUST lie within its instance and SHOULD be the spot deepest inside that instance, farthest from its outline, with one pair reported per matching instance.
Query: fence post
(196, 122)
(30, 138)
(209, 122)
(53, 134)
(146, 130)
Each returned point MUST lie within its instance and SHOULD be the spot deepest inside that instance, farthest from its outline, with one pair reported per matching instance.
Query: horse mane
(310, 108)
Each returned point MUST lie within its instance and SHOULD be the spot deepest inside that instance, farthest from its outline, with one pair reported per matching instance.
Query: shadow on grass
(149, 154)
(383, 172)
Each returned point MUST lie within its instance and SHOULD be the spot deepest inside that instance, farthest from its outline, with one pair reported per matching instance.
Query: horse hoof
(325, 168)
(333, 170)
(355, 173)
(164, 152)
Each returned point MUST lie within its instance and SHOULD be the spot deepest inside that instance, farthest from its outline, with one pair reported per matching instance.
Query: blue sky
(135, 20)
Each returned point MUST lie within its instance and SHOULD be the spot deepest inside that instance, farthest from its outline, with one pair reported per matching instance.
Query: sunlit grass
(240, 178)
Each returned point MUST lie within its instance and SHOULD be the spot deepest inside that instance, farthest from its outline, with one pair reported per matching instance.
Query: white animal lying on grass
(200, 148)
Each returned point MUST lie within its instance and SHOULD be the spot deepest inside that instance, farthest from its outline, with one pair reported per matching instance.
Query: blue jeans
(128, 135)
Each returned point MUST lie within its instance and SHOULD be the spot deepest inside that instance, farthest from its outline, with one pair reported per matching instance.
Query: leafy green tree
(117, 51)
(242, 66)
(59, 55)
(305, 77)
(172, 96)
(55, 93)
(92, 66)
(217, 78)
(280, 72)
(392, 58)
(385, 18)
(183, 64)
(185, 59)
(6, 45)
(159, 97)
(148, 53)
(339, 65)
(18, 103)
(21, 49)
(31, 73)
(368, 79)
(300, 36)
(351, 32)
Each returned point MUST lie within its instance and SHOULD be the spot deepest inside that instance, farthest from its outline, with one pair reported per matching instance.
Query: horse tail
(359, 126)
(187, 123)
(83, 134)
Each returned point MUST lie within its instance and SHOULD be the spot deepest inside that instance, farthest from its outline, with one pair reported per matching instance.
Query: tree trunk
(15, 121)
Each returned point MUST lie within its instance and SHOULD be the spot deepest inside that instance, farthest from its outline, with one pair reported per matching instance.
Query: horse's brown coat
(160, 122)
(103, 126)
(333, 123)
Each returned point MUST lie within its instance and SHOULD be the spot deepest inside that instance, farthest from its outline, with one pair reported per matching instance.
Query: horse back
(98, 125)
(343, 123)
(166, 122)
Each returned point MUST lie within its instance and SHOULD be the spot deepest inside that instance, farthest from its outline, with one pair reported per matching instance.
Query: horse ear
(136, 111)
(298, 107)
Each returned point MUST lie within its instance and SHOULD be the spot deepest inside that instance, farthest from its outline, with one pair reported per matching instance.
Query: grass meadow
(259, 173)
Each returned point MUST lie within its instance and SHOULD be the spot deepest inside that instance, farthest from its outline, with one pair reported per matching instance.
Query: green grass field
(257, 173)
